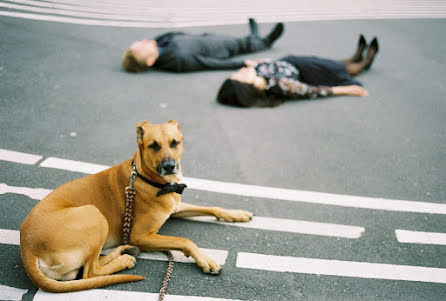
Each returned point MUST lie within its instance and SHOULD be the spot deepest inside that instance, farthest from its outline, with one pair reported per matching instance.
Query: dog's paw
(128, 261)
(208, 265)
(230, 215)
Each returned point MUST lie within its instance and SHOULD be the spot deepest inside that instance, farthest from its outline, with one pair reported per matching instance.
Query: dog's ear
(140, 131)
(174, 122)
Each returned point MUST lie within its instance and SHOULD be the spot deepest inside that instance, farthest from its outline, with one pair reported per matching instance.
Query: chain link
(166, 276)
(127, 224)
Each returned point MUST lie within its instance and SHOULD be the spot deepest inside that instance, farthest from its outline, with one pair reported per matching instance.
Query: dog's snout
(167, 167)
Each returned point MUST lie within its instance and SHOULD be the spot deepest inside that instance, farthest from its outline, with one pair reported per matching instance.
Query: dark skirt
(321, 72)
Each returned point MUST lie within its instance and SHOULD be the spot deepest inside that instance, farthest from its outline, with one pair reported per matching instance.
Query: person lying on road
(183, 52)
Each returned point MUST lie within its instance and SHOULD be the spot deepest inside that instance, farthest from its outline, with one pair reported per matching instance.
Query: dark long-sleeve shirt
(183, 52)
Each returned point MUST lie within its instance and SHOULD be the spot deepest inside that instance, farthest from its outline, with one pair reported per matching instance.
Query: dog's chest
(171, 202)
(166, 203)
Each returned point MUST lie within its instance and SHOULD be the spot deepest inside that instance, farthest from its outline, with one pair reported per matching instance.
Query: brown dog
(68, 229)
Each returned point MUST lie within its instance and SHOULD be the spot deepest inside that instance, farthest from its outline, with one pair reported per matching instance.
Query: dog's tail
(54, 286)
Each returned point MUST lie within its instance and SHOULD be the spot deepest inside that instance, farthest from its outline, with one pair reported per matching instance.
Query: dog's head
(160, 146)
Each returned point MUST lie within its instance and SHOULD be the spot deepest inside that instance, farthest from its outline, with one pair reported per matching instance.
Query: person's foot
(362, 44)
(253, 27)
(274, 34)
(371, 53)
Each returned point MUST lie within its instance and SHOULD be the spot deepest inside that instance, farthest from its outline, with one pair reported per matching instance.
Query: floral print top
(282, 79)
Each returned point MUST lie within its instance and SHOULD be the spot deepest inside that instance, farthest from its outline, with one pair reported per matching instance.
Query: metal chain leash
(127, 224)
(129, 198)
(166, 276)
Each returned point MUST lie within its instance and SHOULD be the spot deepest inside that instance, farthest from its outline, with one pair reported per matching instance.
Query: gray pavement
(57, 79)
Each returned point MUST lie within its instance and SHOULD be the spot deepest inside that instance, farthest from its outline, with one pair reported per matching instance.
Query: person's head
(140, 56)
(245, 89)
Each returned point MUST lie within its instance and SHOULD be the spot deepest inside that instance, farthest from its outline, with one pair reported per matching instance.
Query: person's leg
(365, 64)
(362, 44)
(254, 43)
(253, 28)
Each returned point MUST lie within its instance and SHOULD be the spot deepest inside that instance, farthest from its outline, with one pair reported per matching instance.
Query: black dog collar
(164, 188)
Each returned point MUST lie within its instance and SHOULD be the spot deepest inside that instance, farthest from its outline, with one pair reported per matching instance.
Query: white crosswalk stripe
(202, 13)
(115, 295)
(259, 223)
(11, 293)
(12, 237)
(249, 261)
(264, 192)
(340, 268)
(419, 237)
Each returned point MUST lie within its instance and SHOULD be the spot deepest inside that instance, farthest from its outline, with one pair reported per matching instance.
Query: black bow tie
(164, 188)
(172, 187)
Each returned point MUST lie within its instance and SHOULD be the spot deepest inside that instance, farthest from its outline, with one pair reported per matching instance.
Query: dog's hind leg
(93, 267)
(98, 229)
(118, 251)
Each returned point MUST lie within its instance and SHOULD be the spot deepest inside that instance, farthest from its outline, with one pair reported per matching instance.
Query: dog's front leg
(229, 215)
(156, 242)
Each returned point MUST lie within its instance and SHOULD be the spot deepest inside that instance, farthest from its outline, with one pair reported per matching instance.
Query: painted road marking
(9, 237)
(71, 165)
(274, 193)
(12, 237)
(290, 225)
(418, 237)
(11, 293)
(33, 193)
(261, 223)
(221, 13)
(340, 268)
(315, 197)
(84, 13)
(115, 295)
(19, 157)
(271, 192)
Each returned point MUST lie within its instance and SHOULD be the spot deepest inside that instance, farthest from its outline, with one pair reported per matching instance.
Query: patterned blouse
(282, 79)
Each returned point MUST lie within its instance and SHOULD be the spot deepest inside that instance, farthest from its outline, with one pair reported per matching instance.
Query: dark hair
(130, 64)
(235, 93)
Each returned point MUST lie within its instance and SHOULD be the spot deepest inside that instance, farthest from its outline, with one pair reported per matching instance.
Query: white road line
(94, 22)
(340, 268)
(76, 166)
(9, 237)
(219, 256)
(293, 226)
(261, 223)
(107, 16)
(126, 11)
(273, 193)
(11, 293)
(18, 157)
(417, 237)
(33, 193)
(115, 295)
(194, 14)
(315, 197)
(12, 237)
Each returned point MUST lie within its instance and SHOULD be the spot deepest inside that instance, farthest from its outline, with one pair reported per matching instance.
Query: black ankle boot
(274, 34)
(253, 27)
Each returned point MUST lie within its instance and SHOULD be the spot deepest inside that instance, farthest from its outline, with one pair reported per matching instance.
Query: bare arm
(294, 89)
(353, 90)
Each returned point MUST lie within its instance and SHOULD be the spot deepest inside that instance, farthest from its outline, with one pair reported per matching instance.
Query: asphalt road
(63, 94)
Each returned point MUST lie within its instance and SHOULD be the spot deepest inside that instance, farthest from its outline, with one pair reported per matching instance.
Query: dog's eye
(174, 143)
(155, 146)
